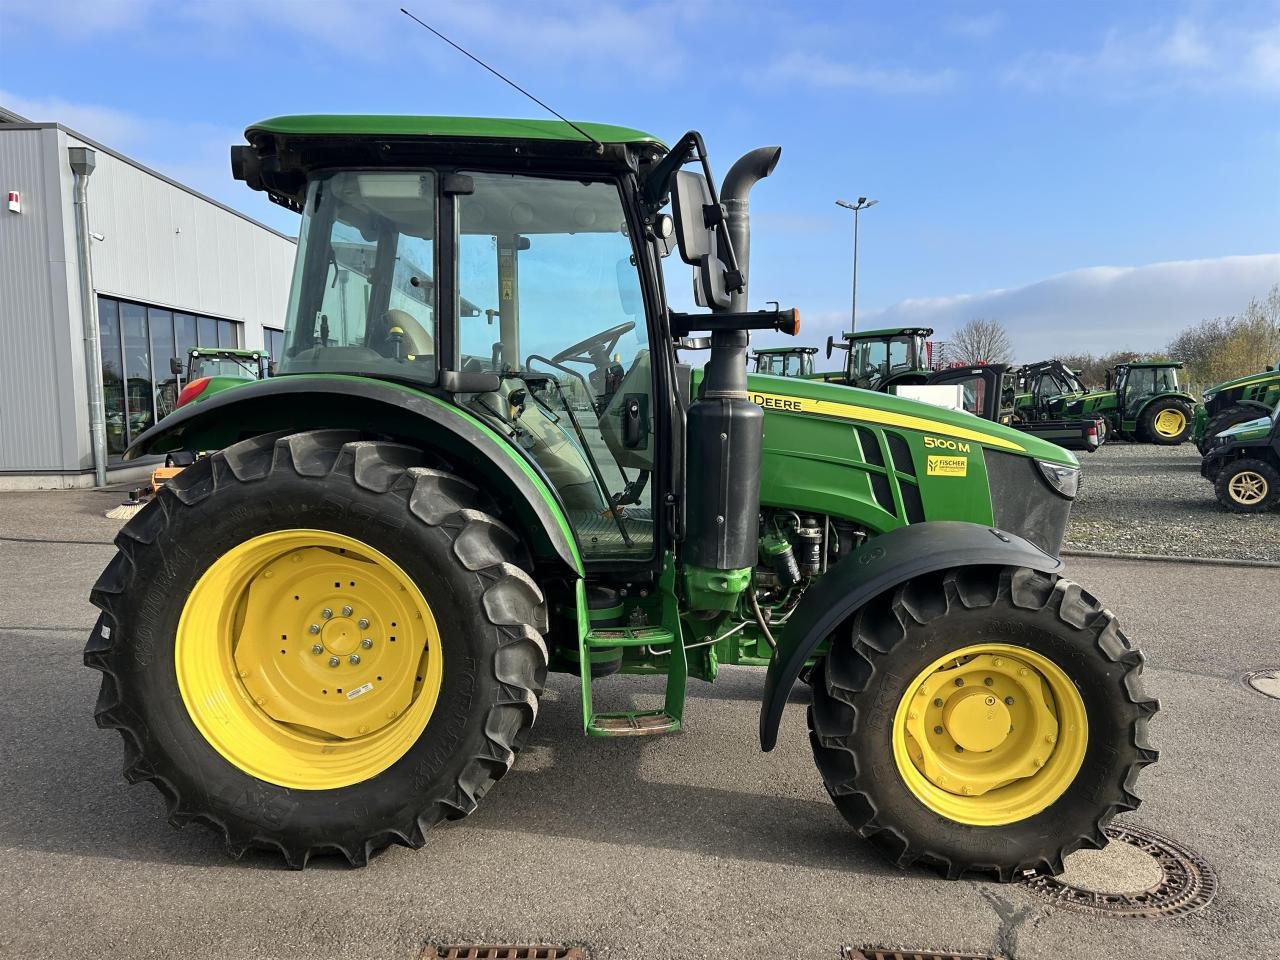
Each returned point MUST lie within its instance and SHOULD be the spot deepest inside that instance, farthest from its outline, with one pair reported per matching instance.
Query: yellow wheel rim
(308, 659)
(1170, 422)
(990, 734)
(1247, 488)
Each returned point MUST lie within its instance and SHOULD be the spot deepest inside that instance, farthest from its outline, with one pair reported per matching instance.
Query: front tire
(908, 722)
(314, 643)
(1166, 422)
(1248, 486)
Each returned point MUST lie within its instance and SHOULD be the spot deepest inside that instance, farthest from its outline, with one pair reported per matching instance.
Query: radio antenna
(506, 80)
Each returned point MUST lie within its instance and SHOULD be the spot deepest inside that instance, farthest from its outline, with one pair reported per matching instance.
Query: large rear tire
(982, 721)
(313, 643)
(1166, 422)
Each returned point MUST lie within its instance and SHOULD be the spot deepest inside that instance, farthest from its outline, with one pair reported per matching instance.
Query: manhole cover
(885, 953)
(1265, 682)
(501, 951)
(1139, 874)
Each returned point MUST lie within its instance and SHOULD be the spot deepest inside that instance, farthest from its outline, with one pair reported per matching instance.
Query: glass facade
(138, 342)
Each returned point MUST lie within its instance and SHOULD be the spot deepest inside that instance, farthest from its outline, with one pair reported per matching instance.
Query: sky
(1095, 175)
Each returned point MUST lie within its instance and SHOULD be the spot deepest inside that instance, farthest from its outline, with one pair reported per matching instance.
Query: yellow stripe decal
(1252, 380)
(851, 411)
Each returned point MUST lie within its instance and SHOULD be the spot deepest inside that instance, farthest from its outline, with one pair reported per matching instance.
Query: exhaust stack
(726, 431)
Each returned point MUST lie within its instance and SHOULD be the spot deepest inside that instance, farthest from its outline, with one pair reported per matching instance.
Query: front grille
(1022, 502)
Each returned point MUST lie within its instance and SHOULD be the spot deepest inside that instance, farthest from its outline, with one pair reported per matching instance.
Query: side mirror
(175, 366)
(698, 243)
(1108, 379)
(831, 345)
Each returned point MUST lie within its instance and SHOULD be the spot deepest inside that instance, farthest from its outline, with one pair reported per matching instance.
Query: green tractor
(1142, 401)
(210, 370)
(1243, 463)
(883, 359)
(334, 632)
(1236, 401)
(784, 361)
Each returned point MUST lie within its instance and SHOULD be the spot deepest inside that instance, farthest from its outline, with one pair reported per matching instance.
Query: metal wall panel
(37, 395)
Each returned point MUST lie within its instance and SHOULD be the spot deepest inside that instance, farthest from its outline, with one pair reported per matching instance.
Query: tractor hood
(1258, 429)
(1246, 381)
(837, 401)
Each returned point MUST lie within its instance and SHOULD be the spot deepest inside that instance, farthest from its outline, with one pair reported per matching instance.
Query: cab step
(632, 724)
(605, 637)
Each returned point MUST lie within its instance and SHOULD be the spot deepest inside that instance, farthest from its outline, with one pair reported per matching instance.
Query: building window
(138, 342)
(273, 342)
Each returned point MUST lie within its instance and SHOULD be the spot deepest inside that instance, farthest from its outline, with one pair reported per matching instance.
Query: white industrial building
(168, 268)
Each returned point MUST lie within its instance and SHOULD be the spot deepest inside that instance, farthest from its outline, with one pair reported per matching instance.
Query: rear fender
(305, 402)
(882, 564)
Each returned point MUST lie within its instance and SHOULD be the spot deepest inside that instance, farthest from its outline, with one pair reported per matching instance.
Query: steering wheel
(595, 349)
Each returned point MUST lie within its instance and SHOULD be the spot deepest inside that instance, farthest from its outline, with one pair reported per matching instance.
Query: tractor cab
(1045, 387)
(222, 362)
(1137, 381)
(784, 361)
(880, 359)
(988, 390)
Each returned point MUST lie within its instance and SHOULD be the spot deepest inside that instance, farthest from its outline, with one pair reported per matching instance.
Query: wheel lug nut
(366, 643)
(1038, 761)
(938, 728)
(959, 749)
(334, 661)
(998, 661)
(314, 628)
(346, 611)
(1051, 739)
(968, 790)
(988, 681)
(364, 623)
(317, 648)
(1008, 701)
(353, 659)
(937, 701)
(959, 681)
(326, 613)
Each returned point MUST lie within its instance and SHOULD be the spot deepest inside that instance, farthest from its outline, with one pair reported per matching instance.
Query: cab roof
(888, 332)
(481, 128)
(1177, 365)
(777, 350)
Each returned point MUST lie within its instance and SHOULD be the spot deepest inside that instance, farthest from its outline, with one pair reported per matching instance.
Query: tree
(980, 341)
(1228, 347)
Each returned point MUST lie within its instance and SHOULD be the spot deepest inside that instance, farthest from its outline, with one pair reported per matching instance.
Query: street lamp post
(862, 204)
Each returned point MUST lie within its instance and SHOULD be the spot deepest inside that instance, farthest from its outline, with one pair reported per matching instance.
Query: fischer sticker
(948, 466)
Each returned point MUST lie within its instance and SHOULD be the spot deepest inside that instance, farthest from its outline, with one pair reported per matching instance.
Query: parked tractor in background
(1233, 402)
(883, 359)
(210, 370)
(1243, 463)
(1142, 400)
(784, 361)
(334, 632)
(991, 392)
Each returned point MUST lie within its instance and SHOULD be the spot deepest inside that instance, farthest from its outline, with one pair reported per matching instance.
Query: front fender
(881, 564)
(313, 402)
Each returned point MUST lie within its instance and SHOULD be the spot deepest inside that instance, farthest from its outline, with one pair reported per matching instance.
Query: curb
(1158, 558)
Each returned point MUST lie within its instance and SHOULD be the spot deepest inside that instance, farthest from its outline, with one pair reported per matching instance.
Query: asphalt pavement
(695, 845)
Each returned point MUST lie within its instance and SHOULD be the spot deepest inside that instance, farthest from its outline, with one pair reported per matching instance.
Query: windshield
(784, 364)
(363, 298)
(1145, 381)
(874, 360)
(245, 367)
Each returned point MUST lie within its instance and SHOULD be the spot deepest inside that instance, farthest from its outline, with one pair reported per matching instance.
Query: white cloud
(1183, 54)
(818, 70)
(1096, 309)
(112, 127)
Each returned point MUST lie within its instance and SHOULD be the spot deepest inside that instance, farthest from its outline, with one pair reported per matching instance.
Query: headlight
(1064, 480)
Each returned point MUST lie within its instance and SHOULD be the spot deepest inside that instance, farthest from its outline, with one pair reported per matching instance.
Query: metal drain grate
(1188, 882)
(502, 951)
(884, 953)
